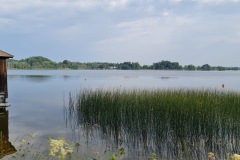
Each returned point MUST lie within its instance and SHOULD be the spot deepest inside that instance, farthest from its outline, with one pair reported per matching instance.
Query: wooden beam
(3, 77)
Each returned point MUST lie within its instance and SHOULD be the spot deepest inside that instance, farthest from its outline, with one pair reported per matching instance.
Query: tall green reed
(180, 123)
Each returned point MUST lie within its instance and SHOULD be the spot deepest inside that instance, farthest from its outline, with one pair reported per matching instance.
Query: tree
(206, 67)
(145, 67)
(221, 68)
(126, 66)
(136, 66)
(190, 67)
(167, 65)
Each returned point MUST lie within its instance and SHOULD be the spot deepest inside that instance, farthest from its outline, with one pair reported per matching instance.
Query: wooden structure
(3, 74)
(6, 148)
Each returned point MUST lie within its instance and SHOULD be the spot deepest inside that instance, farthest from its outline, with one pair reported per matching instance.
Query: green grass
(180, 124)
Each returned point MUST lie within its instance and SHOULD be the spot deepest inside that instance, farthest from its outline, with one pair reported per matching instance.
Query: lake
(38, 97)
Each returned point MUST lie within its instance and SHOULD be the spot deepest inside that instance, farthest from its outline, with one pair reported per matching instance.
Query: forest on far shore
(39, 62)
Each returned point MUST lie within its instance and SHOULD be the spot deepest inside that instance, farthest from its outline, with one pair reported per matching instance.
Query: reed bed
(174, 124)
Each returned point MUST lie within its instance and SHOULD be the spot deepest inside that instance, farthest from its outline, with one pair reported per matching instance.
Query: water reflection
(32, 78)
(6, 148)
(166, 78)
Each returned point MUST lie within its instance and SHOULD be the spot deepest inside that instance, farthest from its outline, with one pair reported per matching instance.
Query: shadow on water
(32, 78)
(174, 124)
(6, 148)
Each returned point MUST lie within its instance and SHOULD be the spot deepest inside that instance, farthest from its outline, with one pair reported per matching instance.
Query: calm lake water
(38, 97)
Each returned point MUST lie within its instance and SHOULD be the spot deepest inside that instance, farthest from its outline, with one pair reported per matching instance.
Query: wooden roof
(5, 55)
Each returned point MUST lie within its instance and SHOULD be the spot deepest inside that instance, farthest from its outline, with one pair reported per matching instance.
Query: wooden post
(3, 77)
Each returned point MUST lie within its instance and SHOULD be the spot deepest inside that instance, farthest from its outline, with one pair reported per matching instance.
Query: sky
(146, 31)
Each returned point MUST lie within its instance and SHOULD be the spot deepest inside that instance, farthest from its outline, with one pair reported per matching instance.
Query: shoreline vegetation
(62, 149)
(175, 124)
(39, 62)
(58, 149)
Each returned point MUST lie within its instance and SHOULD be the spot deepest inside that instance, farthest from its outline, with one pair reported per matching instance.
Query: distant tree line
(39, 62)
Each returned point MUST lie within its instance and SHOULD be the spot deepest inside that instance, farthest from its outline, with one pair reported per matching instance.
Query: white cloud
(69, 31)
(138, 30)
(13, 6)
(150, 9)
(35, 14)
(151, 25)
(175, 1)
(166, 13)
(217, 1)
(8, 6)
(144, 39)
(6, 22)
(118, 3)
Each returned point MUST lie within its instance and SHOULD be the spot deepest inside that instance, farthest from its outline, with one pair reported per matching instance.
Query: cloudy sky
(145, 31)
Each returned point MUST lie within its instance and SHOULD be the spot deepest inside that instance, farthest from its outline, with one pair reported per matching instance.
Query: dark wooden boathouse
(3, 73)
(6, 148)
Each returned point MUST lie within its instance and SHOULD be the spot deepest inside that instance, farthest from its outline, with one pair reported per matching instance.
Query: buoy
(223, 85)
